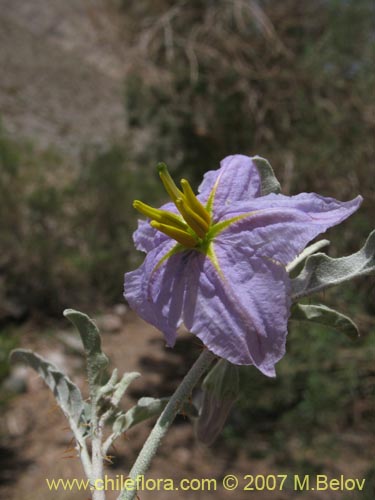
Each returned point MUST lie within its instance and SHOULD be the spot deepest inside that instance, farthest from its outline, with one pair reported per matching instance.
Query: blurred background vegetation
(292, 81)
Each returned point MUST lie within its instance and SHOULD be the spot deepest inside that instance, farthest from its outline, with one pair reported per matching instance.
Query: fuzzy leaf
(67, 394)
(122, 386)
(109, 386)
(268, 179)
(144, 409)
(147, 408)
(325, 316)
(119, 425)
(321, 271)
(96, 359)
(310, 250)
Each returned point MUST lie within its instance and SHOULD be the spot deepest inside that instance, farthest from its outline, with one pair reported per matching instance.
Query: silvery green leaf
(119, 425)
(152, 407)
(310, 250)
(321, 271)
(144, 409)
(122, 386)
(96, 359)
(325, 316)
(109, 386)
(88, 409)
(67, 394)
(268, 179)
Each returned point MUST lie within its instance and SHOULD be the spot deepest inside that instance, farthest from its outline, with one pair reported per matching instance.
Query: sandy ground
(37, 436)
(62, 70)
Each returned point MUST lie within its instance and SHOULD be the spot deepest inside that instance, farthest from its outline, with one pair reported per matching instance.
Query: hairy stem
(96, 445)
(166, 418)
(82, 449)
(97, 463)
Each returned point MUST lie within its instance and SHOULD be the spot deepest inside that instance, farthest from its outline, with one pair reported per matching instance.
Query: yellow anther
(195, 221)
(161, 216)
(186, 239)
(193, 201)
(168, 183)
(197, 224)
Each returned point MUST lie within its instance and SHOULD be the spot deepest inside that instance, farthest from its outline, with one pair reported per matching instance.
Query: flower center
(191, 227)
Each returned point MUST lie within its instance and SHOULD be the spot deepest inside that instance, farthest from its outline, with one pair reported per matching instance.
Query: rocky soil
(37, 436)
(36, 439)
(62, 67)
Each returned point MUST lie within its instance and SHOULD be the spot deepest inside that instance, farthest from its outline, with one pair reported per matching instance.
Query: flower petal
(156, 289)
(279, 227)
(240, 312)
(237, 180)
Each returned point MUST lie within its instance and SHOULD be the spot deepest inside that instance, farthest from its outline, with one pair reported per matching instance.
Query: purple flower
(216, 261)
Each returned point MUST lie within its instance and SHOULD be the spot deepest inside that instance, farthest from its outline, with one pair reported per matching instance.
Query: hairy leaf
(321, 271)
(325, 316)
(65, 391)
(310, 250)
(96, 359)
(122, 386)
(268, 179)
(147, 408)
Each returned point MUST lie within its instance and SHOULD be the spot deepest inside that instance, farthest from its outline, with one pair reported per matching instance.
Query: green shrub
(66, 232)
(291, 81)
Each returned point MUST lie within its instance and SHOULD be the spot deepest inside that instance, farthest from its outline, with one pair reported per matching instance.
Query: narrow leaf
(67, 394)
(310, 250)
(119, 425)
(325, 316)
(321, 271)
(122, 386)
(109, 386)
(268, 179)
(144, 409)
(96, 359)
(151, 407)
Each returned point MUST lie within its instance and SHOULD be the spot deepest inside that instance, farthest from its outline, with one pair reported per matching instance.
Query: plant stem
(166, 418)
(82, 448)
(97, 463)
(96, 445)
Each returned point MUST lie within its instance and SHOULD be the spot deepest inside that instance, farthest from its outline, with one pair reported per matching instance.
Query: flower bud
(220, 391)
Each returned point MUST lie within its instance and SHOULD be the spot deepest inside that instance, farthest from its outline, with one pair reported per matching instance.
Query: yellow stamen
(197, 224)
(193, 201)
(177, 234)
(162, 216)
(168, 183)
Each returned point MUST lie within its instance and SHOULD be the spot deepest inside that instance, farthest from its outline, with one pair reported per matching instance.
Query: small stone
(120, 310)
(182, 455)
(16, 382)
(57, 358)
(109, 323)
(71, 341)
